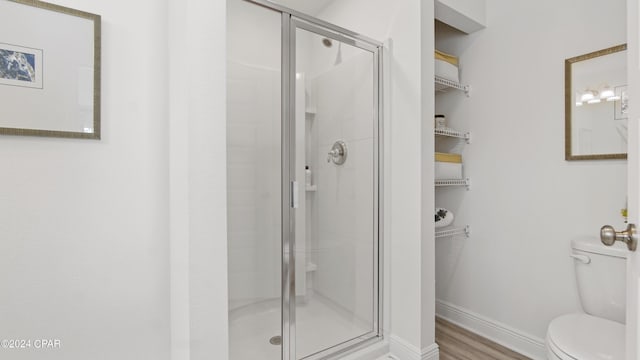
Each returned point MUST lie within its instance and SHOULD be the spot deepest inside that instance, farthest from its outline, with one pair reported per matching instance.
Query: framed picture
(49, 70)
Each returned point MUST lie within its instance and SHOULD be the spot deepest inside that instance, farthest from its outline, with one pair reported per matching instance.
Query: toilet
(599, 333)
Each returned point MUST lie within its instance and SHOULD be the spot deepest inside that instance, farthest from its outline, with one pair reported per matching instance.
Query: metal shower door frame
(375, 49)
(291, 21)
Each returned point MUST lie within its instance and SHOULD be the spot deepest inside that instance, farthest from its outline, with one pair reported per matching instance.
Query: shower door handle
(294, 194)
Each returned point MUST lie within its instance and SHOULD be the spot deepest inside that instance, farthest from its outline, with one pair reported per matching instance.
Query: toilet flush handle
(629, 236)
(582, 258)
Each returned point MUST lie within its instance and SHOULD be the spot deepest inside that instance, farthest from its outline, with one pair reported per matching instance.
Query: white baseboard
(402, 350)
(431, 352)
(516, 340)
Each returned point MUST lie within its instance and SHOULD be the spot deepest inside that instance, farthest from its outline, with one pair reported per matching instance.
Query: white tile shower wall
(526, 201)
(300, 163)
(254, 192)
(343, 247)
(254, 153)
(254, 158)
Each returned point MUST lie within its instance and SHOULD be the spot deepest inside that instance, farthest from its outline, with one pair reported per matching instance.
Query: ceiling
(310, 7)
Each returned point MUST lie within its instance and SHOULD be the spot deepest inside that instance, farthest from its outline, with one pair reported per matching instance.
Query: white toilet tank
(601, 277)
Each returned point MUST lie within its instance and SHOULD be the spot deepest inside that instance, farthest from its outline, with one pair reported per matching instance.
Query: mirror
(596, 105)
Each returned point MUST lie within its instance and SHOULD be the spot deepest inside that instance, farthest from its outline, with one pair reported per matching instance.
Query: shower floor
(320, 324)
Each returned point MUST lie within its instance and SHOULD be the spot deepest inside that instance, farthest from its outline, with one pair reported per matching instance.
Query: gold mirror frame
(568, 104)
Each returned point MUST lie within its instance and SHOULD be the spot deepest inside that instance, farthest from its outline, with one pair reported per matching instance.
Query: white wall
(85, 247)
(526, 202)
(428, 271)
(197, 68)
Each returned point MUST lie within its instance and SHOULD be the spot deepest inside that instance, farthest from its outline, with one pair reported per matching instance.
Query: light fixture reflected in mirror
(590, 96)
(587, 96)
(607, 94)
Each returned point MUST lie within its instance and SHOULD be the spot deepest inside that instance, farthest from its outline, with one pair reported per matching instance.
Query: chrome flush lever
(629, 236)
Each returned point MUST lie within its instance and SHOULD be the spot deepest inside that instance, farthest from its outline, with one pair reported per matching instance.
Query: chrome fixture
(629, 236)
(338, 153)
(276, 340)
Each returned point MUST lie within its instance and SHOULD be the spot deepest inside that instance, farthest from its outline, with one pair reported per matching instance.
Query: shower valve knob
(338, 153)
(332, 154)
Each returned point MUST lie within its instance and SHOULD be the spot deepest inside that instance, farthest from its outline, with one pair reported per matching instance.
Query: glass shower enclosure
(304, 189)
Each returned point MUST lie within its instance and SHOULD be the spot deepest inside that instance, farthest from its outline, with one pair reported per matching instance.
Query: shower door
(303, 165)
(335, 108)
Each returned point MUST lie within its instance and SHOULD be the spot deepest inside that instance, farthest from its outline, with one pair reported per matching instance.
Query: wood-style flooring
(457, 343)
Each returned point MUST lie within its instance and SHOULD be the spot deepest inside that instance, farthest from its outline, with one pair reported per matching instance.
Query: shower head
(326, 42)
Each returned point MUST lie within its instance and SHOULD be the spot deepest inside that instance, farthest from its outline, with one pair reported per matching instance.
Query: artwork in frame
(49, 70)
(20, 66)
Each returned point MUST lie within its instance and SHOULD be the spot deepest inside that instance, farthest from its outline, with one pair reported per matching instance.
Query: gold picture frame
(572, 101)
(49, 70)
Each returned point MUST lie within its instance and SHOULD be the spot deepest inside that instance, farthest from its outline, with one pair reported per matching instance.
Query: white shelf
(466, 231)
(310, 112)
(453, 182)
(443, 85)
(453, 133)
(311, 188)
